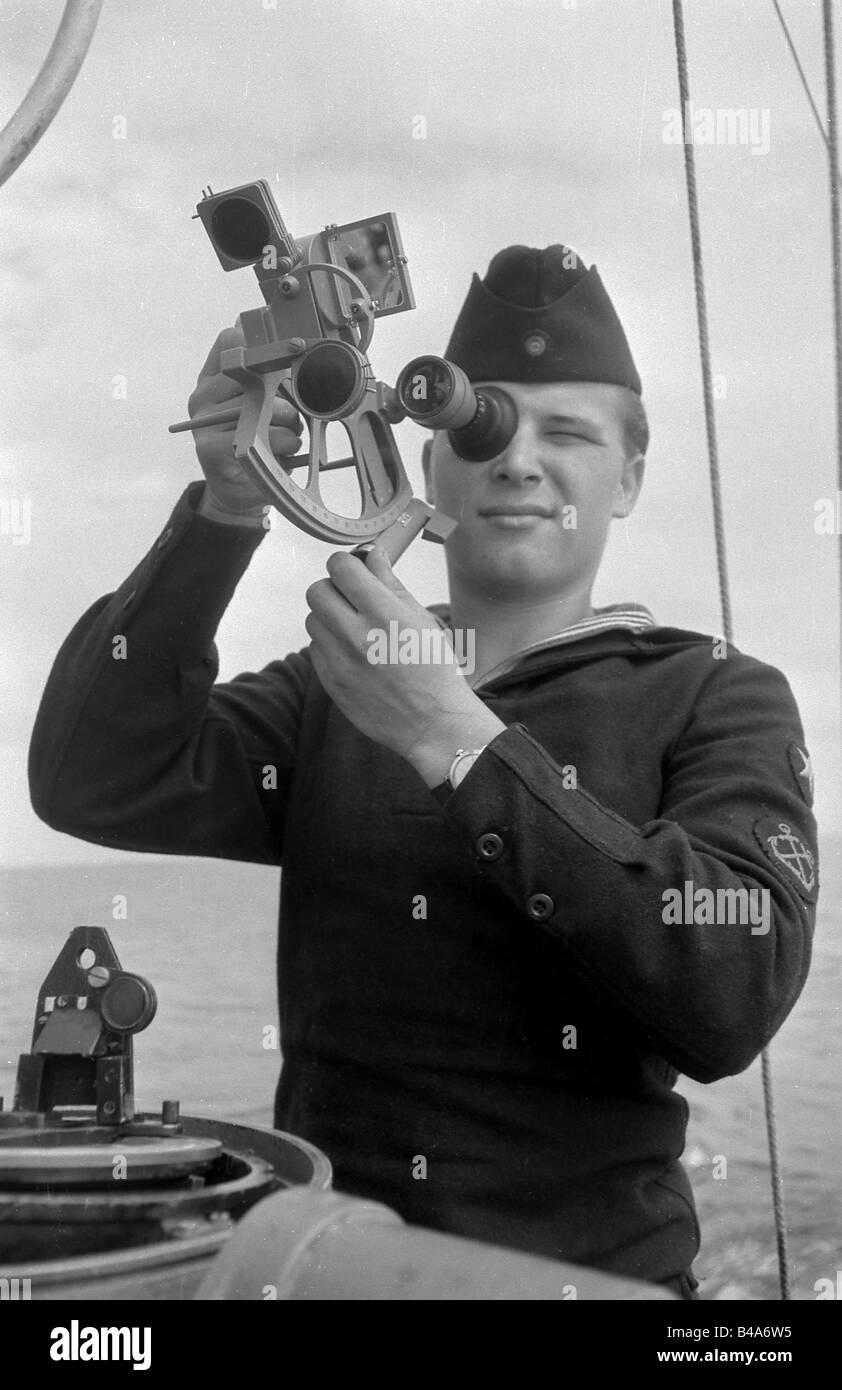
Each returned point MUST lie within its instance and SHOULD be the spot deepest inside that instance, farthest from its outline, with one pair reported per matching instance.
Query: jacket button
(489, 846)
(540, 907)
(164, 538)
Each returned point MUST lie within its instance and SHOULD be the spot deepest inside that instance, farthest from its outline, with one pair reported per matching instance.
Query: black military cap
(541, 316)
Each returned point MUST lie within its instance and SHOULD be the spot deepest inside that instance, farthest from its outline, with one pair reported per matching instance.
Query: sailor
(487, 993)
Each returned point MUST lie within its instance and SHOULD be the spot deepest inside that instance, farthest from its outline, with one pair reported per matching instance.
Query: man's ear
(427, 465)
(628, 489)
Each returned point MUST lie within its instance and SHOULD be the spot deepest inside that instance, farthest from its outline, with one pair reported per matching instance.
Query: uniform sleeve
(652, 914)
(134, 746)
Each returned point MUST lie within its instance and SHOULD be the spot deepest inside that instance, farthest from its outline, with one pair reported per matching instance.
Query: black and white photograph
(421, 528)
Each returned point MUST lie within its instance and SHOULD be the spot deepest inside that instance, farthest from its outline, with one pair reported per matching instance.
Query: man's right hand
(230, 494)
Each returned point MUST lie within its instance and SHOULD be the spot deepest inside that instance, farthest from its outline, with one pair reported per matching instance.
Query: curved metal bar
(58, 73)
(364, 329)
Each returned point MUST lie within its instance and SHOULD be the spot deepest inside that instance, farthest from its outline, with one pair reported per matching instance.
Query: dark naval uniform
(490, 984)
(485, 1000)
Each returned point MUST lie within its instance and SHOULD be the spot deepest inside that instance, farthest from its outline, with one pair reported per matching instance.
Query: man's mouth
(516, 516)
(516, 509)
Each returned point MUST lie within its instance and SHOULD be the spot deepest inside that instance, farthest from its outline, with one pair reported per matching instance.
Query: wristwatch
(458, 771)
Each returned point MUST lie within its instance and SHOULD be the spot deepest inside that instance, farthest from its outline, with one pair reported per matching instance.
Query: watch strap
(446, 788)
(442, 792)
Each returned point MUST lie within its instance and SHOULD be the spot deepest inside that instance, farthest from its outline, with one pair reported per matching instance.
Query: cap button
(535, 343)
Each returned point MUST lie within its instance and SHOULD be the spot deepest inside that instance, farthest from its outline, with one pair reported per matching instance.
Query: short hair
(634, 424)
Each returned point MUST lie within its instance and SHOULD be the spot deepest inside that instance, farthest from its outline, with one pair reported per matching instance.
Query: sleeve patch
(802, 770)
(788, 855)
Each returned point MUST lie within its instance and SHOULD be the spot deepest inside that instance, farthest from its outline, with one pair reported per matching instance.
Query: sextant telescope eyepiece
(480, 420)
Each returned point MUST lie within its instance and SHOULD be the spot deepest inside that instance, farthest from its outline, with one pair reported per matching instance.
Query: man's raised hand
(423, 712)
(230, 491)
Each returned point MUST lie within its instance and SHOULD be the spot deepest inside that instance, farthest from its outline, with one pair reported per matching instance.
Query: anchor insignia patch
(802, 767)
(788, 851)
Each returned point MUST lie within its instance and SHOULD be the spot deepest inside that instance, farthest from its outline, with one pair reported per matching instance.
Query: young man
(513, 907)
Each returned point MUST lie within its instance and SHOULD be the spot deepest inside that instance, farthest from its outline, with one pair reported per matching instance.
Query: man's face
(533, 522)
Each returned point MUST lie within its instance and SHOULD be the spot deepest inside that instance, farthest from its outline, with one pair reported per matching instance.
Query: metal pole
(51, 86)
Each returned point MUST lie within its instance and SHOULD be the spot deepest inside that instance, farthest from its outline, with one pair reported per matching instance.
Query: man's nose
(519, 460)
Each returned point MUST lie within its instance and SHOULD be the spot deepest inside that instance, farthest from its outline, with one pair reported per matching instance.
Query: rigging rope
(721, 560)
(804, 83)
(836, 236)
(702, 316)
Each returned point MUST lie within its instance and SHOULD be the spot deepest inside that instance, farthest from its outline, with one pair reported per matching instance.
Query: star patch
(787, 852)
(802, 767)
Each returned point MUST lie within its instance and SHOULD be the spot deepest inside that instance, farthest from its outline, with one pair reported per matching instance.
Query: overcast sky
(545, 122)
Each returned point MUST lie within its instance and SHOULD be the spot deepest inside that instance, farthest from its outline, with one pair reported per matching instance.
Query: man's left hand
(422, 711)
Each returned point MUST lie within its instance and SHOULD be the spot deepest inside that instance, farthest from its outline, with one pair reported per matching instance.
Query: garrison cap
(541, 316)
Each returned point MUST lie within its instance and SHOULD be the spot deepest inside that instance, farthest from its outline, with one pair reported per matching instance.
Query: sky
(543, 121)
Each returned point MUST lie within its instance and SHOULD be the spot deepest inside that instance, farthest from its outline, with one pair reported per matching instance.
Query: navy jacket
(484, 1005)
